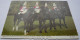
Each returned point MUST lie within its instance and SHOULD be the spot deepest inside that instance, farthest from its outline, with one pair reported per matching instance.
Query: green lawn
(71, 30)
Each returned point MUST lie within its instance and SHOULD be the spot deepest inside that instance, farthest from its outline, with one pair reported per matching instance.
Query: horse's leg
(24, 28)
(44, 26)
(28, 28)
(14, 23)
(60, 22)
(31, 25)
(54, 24)
(50, 24)
(40, 26)
(17, 24)
(64, 22)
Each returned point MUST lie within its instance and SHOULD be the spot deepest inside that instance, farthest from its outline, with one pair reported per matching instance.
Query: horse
(42, 17)
(27, 18)
(57, 13)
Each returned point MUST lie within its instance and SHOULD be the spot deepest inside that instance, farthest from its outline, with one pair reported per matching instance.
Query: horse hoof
(54, 28)
(40, 32)
(45, 31)
(50, 28)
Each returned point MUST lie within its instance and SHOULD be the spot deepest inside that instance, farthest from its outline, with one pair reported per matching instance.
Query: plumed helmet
(45, 4)
(37, 3)
(24, 3)
(54, 4)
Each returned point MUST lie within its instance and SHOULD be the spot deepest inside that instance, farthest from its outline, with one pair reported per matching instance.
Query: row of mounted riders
(45, 14)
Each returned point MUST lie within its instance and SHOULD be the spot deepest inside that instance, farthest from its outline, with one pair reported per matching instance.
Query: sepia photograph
(39, 18)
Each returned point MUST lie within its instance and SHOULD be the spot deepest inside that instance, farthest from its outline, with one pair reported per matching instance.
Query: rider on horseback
(36, 10)
(23, 9)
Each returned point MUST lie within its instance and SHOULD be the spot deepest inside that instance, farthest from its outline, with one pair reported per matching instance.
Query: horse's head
(29, 12)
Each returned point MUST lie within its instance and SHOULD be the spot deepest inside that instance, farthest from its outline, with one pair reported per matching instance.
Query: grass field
(71, 30)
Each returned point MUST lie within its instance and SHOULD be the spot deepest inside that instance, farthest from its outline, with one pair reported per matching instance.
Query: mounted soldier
(23, 9)
(57, 12)
(36, 10)
(53, 16)
(42, 18)
(26, 16)
(19, 16)
(47, 11)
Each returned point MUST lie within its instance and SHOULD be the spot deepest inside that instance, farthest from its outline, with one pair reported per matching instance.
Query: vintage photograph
(39, 18)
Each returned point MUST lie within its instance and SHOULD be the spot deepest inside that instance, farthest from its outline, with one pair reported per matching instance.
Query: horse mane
(29, 12)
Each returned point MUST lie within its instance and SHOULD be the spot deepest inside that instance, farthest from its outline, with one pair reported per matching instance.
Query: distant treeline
(15, 6)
